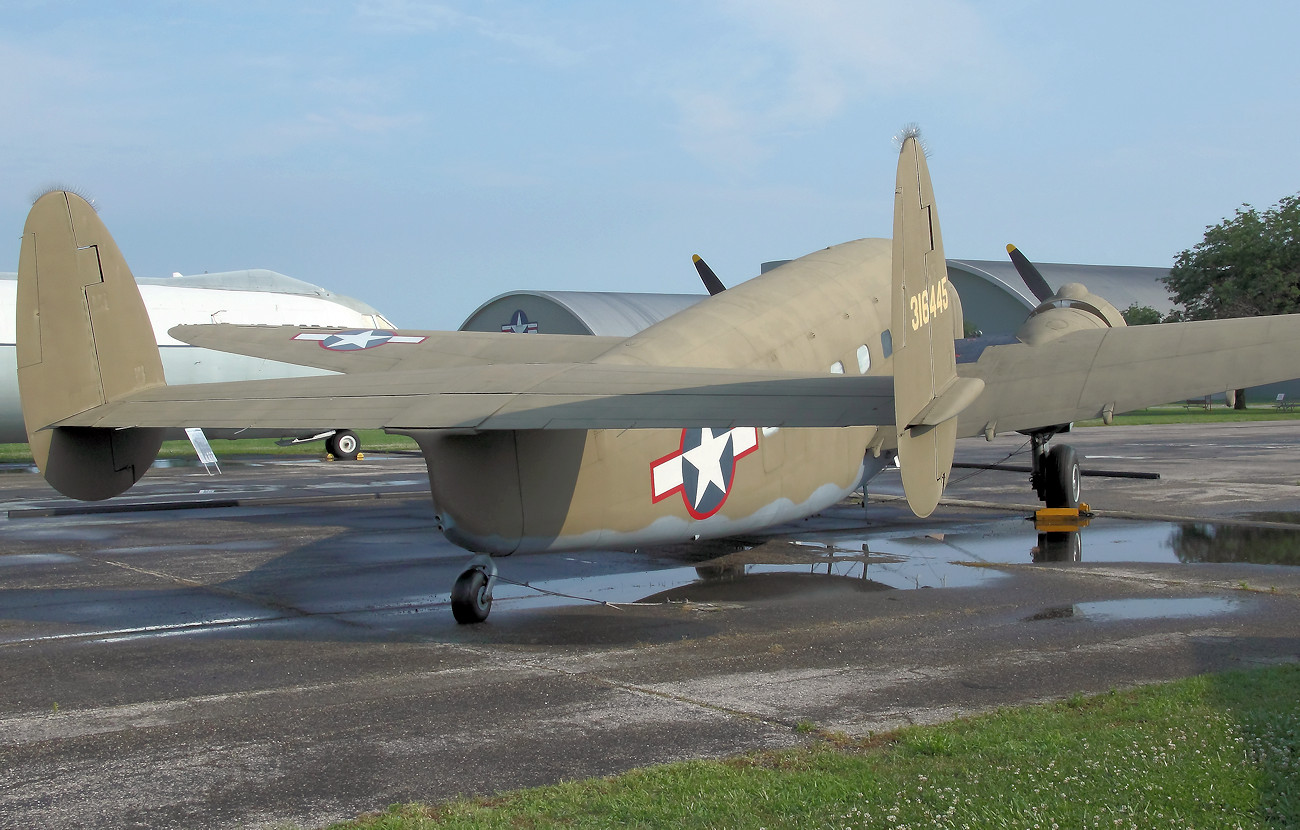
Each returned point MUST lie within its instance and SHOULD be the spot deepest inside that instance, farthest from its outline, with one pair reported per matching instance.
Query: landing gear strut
(471, 597)
(1055, 473)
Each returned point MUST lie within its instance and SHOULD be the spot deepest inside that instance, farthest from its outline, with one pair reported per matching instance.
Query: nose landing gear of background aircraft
(471, 597)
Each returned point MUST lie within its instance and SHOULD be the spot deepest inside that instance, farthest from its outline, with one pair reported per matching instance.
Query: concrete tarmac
(274, 646)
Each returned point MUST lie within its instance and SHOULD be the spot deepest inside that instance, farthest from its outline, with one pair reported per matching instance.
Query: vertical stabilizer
(83, 339)
(922, 326)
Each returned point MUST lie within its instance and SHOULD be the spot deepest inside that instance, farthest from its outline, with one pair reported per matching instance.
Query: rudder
(928, 395)
(83, 339)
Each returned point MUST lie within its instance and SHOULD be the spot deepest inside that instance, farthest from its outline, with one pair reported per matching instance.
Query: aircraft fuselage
(501, 492)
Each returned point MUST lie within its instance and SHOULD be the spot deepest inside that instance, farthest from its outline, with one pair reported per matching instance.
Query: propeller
(711, 281)
(1034, 280)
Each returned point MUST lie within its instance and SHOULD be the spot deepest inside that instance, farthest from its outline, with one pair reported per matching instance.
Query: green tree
(1140, 315)
(1245, 266)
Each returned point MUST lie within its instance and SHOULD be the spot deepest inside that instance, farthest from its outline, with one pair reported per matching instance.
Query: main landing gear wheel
(343, 445)
(1055, 474)
(471, 596)
(1061, 477)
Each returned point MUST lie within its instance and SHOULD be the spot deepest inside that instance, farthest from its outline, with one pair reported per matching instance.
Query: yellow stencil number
(927, 303)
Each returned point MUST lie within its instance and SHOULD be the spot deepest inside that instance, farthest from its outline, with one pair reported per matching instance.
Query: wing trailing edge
(403, 349)
(512, 396)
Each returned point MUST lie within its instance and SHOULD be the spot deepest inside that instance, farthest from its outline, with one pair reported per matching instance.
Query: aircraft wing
(1083, 373)
(512, 396)
(353, 350)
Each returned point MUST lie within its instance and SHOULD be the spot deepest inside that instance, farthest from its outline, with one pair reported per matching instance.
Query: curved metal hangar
(993, 297)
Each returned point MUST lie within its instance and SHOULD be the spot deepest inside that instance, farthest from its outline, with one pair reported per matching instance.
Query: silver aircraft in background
(249, 297)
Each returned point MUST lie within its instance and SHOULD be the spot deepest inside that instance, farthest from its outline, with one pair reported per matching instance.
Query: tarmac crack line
(633, 688)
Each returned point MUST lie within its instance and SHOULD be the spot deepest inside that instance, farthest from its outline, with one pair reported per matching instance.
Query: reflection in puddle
(1013, 541)
(952, 555)
(1066, 546)
(1230, 543)
(1141, 609)
(728, 579)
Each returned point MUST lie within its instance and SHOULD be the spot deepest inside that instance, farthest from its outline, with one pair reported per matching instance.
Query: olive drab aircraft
(765, 402)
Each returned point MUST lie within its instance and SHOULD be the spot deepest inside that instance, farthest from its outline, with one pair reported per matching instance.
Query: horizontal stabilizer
(960, 394)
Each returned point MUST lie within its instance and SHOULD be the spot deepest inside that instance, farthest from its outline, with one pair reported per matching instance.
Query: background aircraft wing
(512, 396)
(1083, 373)
(372, 350)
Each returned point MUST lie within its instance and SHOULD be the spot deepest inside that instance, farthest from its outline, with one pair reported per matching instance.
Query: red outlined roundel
(703, 468)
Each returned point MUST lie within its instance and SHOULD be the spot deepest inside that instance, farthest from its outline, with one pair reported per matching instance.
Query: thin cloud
(417, 17)
(791, 65)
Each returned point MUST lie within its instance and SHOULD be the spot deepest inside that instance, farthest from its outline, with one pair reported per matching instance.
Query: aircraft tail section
(83, 340)
(928, 395)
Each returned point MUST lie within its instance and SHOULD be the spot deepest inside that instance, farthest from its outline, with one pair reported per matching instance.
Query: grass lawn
(372, 440)
(1207, 752)
(1178, 414)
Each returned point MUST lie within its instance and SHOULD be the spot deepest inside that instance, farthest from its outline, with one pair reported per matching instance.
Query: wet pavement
(274, 645)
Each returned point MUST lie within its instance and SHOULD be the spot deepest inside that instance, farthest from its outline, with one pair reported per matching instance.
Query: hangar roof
(1121, 285)
(599, 312)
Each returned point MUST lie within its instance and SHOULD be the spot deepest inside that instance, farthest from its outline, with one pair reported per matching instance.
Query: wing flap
(512, 396)
(390, 350)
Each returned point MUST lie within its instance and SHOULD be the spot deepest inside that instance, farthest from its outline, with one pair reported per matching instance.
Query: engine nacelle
(1072, 308)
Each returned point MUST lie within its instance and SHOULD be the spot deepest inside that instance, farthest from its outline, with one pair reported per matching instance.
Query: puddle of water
(724, 581)
(1015, 541)
(1230, 543)
(1156, 609)
(895, 557)
(708, 583)
(19, 559)
(234, 546)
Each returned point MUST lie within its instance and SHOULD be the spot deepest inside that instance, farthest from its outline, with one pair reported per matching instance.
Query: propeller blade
(711, 281)
(1034, 280)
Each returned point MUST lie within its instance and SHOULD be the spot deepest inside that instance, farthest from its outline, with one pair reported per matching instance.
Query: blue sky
(425, 156)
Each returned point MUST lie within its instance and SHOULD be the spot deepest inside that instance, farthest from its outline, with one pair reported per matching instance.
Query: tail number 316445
(928, 303)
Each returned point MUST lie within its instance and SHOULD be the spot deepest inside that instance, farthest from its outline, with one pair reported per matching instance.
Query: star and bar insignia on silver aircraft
(543, 443)
(350, 341)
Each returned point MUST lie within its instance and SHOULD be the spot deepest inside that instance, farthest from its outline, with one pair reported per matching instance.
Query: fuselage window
(886, 343)
(837, 368)
(864, 359)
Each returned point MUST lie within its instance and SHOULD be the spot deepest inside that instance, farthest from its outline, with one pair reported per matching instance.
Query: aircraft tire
(1062, 474)
(343, 445)
(471, 601)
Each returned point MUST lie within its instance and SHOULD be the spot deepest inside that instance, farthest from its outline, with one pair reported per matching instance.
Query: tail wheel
(344, 445)
(1061, 475)
(471, 598)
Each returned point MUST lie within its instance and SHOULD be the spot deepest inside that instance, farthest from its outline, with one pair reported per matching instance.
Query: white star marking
(360, 339)
(707, 459)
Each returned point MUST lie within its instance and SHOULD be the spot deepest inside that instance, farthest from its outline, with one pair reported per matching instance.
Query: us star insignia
(703, 469)
(351, 341)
